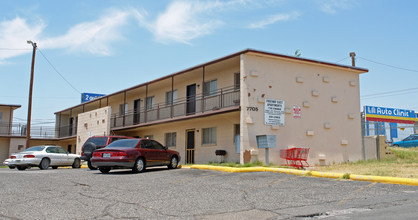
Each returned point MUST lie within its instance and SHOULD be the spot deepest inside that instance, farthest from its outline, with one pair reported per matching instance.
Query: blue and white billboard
(85, 97)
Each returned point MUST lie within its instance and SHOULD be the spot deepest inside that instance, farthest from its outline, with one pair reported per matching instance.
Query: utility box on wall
(266, 141)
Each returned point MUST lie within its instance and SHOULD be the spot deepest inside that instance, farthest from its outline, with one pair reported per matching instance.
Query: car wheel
(91, 167)
(173, 163)
(11, 167)
(21, 168)
(139, 166)
(54, 167)
(395, 145)
(44, 164)
(76, 164)
(104, 169)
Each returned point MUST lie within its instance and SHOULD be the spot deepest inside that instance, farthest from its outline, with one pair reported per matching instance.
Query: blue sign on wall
(373, 110)
(85, 97)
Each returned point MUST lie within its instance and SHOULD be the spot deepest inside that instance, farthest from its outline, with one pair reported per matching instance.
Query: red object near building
(295, 157)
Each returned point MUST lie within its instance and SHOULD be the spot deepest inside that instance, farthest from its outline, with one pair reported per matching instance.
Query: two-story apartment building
(225, 104)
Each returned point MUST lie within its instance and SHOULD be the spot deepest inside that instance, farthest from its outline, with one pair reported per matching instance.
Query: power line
(384, 96)
(342, 60)
(58, 71)
(395, 91)
(411, 70)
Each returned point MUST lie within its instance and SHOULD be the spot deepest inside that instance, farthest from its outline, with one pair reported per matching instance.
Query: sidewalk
(380, 179)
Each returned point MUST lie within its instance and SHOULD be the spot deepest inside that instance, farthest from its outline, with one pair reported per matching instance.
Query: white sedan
(43, 157)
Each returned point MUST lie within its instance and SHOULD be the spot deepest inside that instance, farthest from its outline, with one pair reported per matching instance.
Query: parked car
(94, 143)
(43, 157)
(135, 154)
(410, 141)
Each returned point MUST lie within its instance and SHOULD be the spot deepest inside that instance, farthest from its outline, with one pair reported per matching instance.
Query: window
(51, 150)
(210, 87)
(146, 144)
(209, 135)
(150, 102)
(123, 109)
(61, 151)
(1, 116)
(170, 97)
(156, 145)
(236, 81)
(170, 139)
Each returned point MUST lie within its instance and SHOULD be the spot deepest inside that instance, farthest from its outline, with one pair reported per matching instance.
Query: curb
(355, 177)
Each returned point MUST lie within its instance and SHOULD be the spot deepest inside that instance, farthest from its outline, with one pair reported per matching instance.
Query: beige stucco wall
(15, 143)
(95, 122)
(224, 124)
(4, 149)
(328, 97)
(5, 119)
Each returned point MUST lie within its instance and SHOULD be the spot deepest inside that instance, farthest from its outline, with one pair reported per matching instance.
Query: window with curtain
(210, 87)
(209, 135)
(170, 139)
(171, 97)
(150, 102)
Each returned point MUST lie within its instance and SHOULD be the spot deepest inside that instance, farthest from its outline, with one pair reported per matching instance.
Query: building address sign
(274, 112)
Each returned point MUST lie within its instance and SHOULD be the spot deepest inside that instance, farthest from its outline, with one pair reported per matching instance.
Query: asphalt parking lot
(196, 194)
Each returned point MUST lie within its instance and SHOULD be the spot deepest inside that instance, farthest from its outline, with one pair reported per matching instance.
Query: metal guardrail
(222, 98)
(19, 130)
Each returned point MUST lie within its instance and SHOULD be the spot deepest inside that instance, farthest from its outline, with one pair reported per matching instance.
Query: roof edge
(248, 50)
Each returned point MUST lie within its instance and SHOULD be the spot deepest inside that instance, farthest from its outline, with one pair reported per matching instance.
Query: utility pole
(353, 58)
(30, 94)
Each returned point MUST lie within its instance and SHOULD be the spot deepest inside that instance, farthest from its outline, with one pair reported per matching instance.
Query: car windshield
(36, 148)
(124, 143)
(98, 141)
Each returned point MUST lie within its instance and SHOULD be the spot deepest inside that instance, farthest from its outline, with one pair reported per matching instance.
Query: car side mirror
(165, 148)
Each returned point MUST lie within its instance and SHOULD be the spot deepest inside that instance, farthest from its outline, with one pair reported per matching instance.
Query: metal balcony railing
(215, 100)
(17, 130)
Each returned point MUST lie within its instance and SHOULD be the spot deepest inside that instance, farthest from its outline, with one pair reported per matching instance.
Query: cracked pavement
(160, 193)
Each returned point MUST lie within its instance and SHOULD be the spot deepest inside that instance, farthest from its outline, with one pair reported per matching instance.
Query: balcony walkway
(225, 99)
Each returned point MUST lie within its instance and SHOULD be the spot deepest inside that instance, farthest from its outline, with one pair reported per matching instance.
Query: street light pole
(30, 94)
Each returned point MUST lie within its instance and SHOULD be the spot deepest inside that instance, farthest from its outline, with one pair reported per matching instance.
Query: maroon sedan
(135, 154)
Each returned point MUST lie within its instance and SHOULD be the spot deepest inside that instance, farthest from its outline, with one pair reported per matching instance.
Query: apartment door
(190, 144)
(191, 99)
(70, 129)
(137, 107)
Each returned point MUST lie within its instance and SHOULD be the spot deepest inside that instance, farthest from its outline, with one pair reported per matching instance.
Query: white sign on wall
(297, 112)
(274, 112)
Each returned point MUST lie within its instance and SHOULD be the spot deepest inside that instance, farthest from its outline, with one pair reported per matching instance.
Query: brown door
(137, 107)
(190, 144)
(191, 99)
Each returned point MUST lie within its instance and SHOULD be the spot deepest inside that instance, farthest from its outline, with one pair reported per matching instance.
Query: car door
(162, 154)
(414, 141)
(53, 155)
(151, 156)
(64, 157)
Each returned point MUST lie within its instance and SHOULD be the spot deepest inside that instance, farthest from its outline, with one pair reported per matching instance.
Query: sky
(103, 47)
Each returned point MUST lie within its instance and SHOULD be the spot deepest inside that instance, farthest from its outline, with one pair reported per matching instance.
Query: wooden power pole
(30, 94)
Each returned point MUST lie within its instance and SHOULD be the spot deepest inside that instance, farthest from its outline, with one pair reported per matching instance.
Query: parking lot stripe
(355, 192)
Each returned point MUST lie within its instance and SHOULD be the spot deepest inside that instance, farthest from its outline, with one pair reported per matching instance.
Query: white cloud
(184, 21)
(273, 19)
(331, 6)
(14, 34)
(91, 37)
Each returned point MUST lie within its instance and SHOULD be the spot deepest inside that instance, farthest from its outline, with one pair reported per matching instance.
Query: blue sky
(106, 46)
